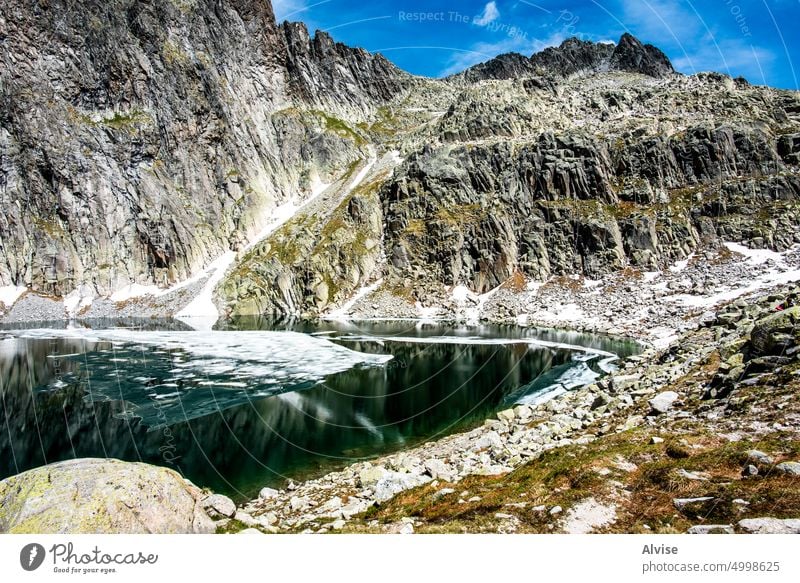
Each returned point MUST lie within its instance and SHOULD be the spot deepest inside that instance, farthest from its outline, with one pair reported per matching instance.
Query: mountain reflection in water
(260, 402)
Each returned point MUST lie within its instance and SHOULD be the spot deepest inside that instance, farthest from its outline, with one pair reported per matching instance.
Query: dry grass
(565, 476)
(516, 283)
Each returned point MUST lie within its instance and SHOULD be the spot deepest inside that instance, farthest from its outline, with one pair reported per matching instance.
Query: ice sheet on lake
(250, 353)
(166, 377)
(558, 380)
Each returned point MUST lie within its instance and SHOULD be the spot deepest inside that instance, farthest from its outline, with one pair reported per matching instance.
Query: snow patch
(756, 256)
(342, 313)
(772, 278)
(651, 276)
(429, 313)
(461, 293)
(9, 294)
(361, 176)
(681, 265)
(284, 213)
(571, 313)
(203, 306)
(81, 298)
(534, 286)
(568, 313)
(663, 337)
(134, 290)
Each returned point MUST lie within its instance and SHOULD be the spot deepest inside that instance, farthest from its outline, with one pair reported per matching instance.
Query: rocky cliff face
(141, 140)
(575, 203)
(533, 178)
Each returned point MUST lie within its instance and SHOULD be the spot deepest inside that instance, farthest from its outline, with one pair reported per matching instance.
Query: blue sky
(759, 39)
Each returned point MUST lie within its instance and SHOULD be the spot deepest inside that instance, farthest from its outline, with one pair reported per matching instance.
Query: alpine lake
(256, 402)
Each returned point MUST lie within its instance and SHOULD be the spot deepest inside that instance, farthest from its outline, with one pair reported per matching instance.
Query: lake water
(260, 402)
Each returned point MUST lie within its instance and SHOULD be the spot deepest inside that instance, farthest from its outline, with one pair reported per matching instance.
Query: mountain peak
(575, 55)
(632, 55)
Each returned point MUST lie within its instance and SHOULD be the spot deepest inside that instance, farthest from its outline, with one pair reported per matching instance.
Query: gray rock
(400, 528)
(694, 476)
(750, 470)
(693, 505)
(712, 529)
(101, 496)
(443, 492)
(246, 518)
(267, 520)
(299, 503)
(507, 415)
(601, 400)
(218, 505)
(355, 506)
(490, 439)
(331, 507)
(268, 493)
(770, 526)
(393, 483)
(632, 422)
(522, 412)
(371, 476)
(438, 470)
(769, 338)
(788, 468)
(625, 382)
(759, 458)
(663, 402)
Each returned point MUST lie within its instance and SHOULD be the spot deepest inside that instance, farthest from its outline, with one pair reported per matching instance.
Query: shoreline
(637, 399)
(706, 343)
(667, 401)
(651, 308)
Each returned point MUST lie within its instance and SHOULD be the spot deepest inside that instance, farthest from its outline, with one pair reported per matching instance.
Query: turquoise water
(261, 402)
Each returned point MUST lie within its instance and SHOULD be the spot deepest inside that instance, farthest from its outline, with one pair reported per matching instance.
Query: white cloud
(489, 15)
(731, 56)
(289, 9)
(657, 19)
(695, 45)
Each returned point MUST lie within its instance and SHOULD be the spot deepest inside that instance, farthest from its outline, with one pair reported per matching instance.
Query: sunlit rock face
(140, 141)
(101, 496)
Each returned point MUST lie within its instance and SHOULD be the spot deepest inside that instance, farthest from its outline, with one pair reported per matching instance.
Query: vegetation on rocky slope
(704, 435)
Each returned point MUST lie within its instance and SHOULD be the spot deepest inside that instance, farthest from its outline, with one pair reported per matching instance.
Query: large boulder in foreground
(101, 496)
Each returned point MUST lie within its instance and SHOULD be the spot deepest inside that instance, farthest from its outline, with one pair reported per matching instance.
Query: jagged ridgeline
(141, 140)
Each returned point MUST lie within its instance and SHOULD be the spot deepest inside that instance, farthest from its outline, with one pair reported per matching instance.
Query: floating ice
(212, 371)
